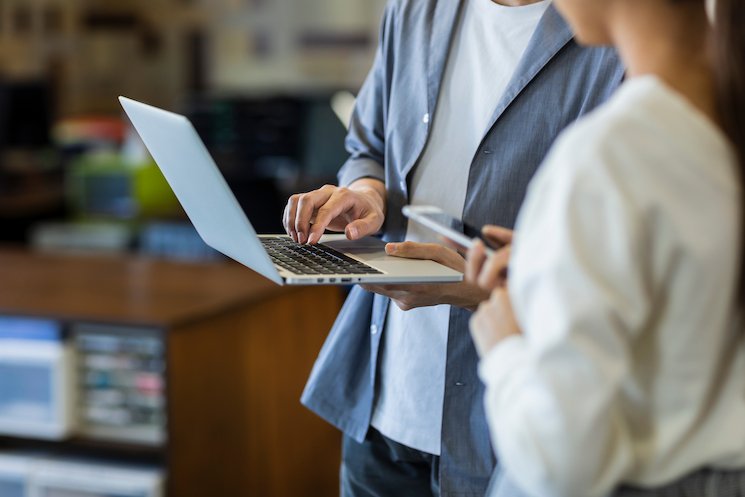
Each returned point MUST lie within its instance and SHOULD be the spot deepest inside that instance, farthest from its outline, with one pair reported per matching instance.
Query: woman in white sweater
(614, 358)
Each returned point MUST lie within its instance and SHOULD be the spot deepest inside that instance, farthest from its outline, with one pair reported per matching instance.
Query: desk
(239, 349)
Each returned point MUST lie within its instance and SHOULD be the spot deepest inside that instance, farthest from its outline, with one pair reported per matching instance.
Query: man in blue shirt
(462, 103)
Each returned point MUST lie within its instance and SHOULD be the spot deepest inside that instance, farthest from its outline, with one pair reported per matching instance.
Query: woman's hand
(493, 322)
(408, 297)
(490, 273)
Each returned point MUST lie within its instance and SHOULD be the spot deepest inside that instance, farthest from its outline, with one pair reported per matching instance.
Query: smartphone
(440, 222)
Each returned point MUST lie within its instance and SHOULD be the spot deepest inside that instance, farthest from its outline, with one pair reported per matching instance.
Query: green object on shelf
(153, 193)
(102, 185)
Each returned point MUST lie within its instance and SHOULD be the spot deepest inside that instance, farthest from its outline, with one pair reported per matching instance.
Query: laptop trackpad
(367, 248)
(371, 250)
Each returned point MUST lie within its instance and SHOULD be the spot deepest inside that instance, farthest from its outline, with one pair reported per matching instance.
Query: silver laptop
(222, 224)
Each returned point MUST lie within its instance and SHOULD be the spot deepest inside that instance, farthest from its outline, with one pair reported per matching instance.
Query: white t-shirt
(489, 42)
(623, 279)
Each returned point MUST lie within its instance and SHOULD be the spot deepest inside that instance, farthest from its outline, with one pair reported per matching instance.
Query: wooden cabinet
(239, 350)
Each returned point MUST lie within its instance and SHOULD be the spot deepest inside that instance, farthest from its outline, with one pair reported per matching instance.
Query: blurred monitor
(15, 474)
(36, 368)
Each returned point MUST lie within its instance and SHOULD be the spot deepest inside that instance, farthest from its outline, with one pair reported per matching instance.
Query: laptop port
(320, 280)
(346, 280)
(331, 280)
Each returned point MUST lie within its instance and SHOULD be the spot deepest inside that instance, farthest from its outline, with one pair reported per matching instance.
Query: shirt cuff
(506, 357)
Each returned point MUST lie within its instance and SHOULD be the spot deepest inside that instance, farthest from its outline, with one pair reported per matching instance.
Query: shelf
(81, 447)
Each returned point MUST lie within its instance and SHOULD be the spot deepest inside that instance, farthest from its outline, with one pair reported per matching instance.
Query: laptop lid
(203, 192)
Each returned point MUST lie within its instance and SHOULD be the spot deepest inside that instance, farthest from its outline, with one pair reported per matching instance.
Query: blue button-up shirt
(556, 82)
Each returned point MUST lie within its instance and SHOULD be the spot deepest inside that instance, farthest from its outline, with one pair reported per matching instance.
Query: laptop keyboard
(316, 259)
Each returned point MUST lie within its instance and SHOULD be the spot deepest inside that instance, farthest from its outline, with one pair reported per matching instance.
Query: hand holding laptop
(406, 297)
(485, 272)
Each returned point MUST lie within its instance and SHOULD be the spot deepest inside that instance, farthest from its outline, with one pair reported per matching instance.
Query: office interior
(134, 359)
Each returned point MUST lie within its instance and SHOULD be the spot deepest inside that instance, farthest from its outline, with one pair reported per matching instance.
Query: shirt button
(425, 119)
(374, 329)
(403, 186)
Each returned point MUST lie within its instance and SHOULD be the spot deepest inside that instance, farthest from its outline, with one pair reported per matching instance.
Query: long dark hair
(729, 44)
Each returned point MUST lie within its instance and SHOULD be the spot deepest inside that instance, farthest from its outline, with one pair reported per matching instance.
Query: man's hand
(408, 297)
(490, 273)
(358, 211)
(493, 322)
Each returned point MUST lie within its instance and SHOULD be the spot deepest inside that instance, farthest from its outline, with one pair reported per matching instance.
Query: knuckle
(343, 194)
(322, 214)
(302, 202)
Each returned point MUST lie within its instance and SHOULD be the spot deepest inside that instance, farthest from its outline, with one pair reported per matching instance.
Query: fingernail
(391, 248)
(301, 238)
(353, 232)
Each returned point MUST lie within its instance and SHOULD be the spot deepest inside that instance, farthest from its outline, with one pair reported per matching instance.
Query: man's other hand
(408, 297)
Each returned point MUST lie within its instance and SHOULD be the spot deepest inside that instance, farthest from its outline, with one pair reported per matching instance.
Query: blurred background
(100, 269)
(257, 78)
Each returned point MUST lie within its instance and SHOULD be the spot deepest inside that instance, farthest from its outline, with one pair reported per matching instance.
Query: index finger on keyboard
(338, 203)
(307, 206)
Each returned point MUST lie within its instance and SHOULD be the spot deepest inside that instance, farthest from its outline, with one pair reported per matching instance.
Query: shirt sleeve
(366, 137)
(579, 294)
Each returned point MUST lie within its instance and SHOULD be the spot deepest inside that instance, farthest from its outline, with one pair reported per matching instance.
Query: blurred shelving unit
(93, 49)
(160, 50)
(291, 45)
(215, 58)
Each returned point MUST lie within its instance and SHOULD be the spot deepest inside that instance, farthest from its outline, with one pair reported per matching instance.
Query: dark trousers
(380, 467)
